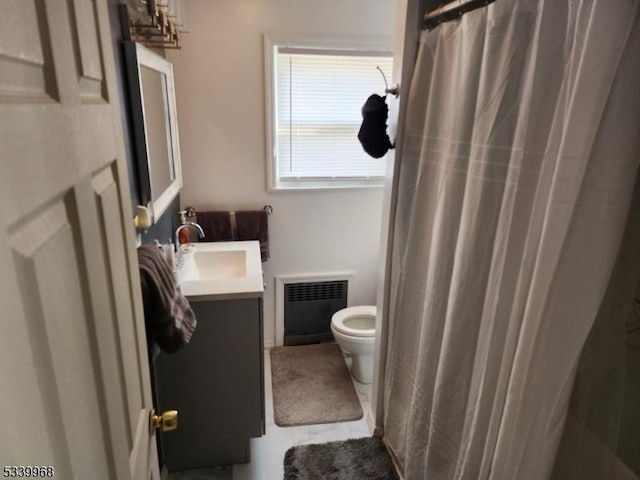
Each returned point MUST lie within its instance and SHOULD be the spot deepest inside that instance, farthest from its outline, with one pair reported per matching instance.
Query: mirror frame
(137, 56)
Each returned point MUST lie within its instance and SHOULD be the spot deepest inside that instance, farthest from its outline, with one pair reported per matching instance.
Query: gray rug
(312, 385)
(356, 459)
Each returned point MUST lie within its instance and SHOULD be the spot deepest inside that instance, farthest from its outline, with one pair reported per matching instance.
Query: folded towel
(168, 318)
(254, 225)
(216, 226)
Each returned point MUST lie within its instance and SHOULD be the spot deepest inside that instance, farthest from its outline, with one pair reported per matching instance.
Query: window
(317, 90)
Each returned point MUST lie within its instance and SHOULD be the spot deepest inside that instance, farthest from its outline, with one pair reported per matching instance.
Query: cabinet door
(216, 385)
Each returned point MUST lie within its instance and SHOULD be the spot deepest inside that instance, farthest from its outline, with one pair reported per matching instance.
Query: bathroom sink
(220, 265)
(219, 270)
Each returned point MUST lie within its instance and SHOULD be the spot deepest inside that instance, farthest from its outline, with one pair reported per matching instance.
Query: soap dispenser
(183, 236)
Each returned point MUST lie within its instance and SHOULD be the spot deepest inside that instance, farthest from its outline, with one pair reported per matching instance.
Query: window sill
(319, 185)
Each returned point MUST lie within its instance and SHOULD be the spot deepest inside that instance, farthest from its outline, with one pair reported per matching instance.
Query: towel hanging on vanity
(168, 317)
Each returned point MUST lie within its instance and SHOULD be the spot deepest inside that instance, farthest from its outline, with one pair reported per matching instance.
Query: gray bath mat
(356, 459)
(311, 385)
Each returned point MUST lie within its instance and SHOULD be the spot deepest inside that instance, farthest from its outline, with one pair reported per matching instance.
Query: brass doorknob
(167, 421)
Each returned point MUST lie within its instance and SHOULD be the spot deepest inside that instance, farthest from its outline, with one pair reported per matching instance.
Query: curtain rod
(452, 11)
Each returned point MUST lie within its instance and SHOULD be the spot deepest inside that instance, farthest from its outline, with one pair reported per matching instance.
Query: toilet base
(362, 368)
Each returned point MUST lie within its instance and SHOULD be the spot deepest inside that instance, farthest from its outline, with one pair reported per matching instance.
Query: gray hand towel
(254, 225)
(168, 317)
(216, 226)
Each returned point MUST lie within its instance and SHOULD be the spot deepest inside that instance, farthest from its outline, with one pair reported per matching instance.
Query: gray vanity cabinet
(217, 385)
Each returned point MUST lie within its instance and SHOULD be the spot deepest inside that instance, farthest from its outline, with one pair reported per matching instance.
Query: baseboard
(371, 422)
(268, 344)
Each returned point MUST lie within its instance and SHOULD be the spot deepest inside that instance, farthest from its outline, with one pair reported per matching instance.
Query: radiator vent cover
(308, 308)
(303, 292)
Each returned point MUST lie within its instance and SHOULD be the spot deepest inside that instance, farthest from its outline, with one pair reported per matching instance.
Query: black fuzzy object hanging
(373, 131)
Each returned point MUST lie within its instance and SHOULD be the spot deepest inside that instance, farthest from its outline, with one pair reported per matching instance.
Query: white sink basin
(213, 270)
(220, 265)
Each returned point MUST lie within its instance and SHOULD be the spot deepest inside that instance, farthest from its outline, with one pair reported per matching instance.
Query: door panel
(113, 243)
(26, 67)
(88, 51)
(44, 253)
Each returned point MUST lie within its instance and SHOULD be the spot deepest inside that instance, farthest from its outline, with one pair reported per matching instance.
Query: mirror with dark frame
(155, 129)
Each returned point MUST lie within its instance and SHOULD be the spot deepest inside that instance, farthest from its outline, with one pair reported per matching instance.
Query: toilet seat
(340, 321)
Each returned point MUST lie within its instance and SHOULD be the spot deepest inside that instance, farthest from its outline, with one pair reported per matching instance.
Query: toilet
(354, 328)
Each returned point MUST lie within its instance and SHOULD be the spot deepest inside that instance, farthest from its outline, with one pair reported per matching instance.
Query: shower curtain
(518, 161)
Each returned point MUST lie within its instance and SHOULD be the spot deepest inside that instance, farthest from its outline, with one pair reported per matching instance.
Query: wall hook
(395, 88)
(386, 85)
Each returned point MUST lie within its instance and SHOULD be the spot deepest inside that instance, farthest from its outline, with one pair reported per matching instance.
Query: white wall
(219, 76)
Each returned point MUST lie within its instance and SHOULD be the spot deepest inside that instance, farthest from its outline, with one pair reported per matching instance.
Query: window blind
(319, 96)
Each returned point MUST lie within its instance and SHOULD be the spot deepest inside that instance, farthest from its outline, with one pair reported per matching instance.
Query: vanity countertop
(221, 271)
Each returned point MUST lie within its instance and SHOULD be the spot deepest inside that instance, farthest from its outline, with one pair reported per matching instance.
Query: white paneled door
(74, 379)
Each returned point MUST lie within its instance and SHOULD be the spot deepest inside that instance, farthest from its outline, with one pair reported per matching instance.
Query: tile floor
(267, 452)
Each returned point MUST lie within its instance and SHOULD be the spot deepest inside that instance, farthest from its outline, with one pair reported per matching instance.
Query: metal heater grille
(308, 308)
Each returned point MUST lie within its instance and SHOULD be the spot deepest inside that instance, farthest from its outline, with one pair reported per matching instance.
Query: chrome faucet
(186, 225)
